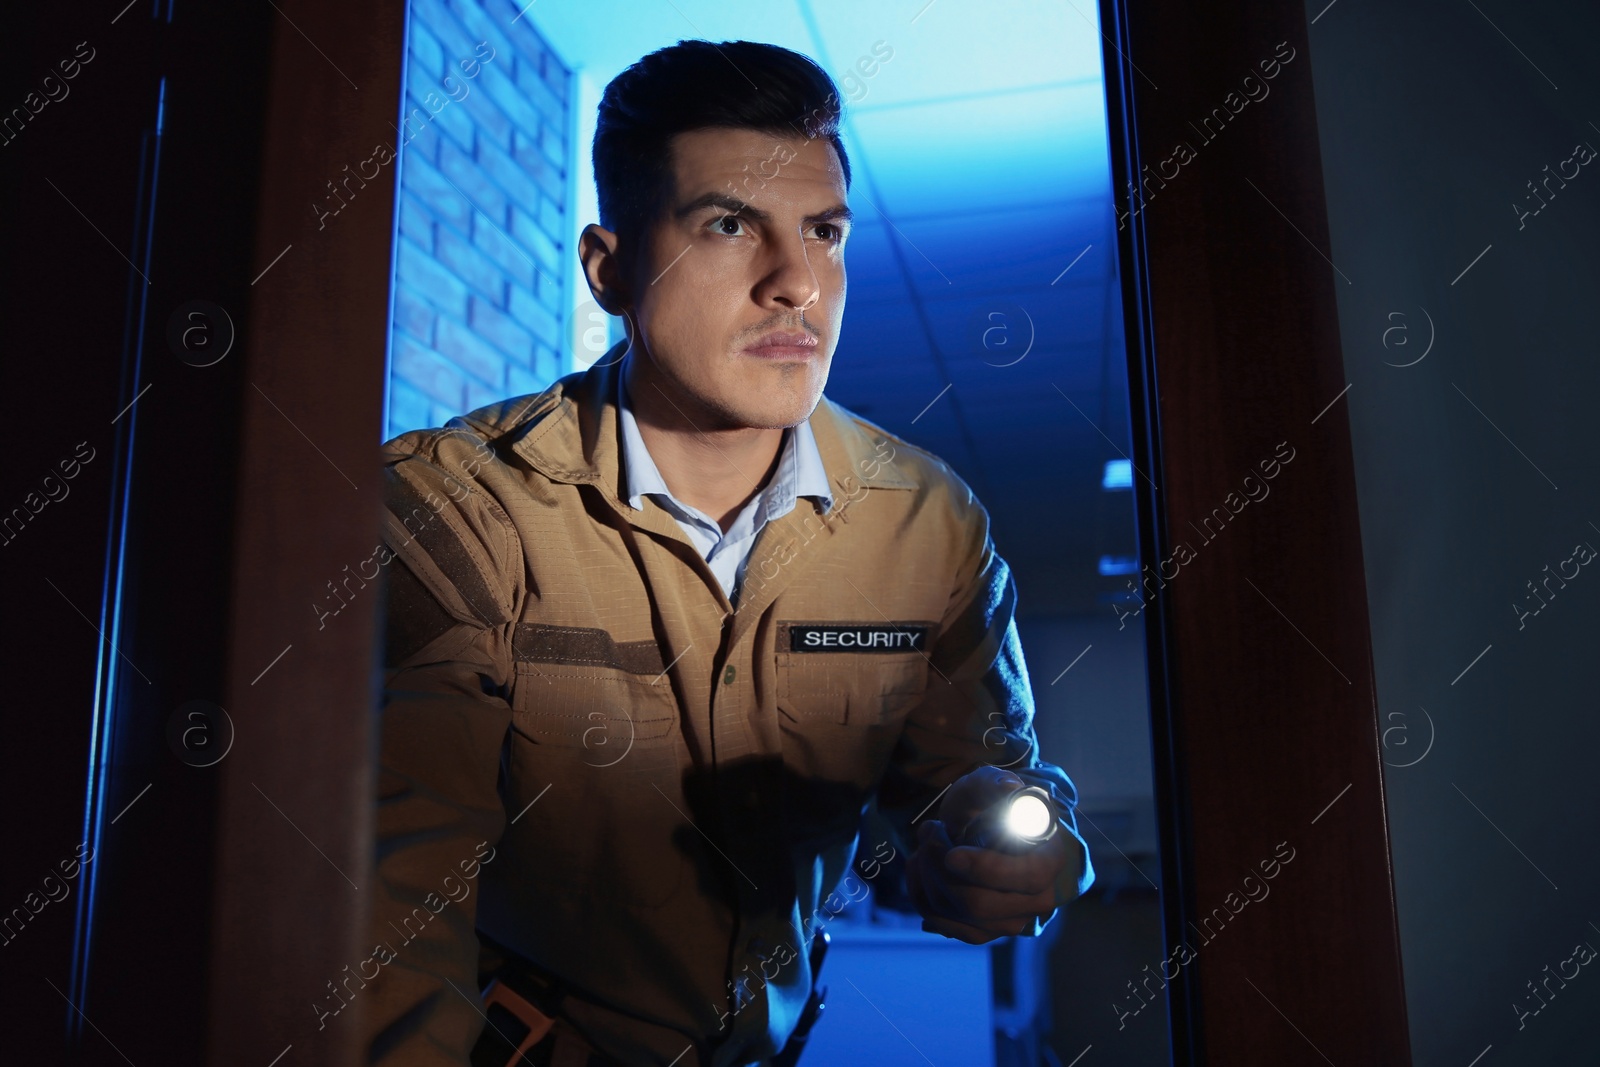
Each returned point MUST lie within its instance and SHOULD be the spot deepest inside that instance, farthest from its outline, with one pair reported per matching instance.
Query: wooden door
(1279, 906)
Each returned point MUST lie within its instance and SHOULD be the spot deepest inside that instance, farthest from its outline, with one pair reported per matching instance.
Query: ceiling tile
(933, 46)
(1027, 148)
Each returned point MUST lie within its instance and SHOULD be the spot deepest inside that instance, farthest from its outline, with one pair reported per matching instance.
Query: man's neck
(717, 471)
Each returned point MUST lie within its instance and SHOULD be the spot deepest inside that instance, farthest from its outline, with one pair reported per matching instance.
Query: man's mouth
(783, 344)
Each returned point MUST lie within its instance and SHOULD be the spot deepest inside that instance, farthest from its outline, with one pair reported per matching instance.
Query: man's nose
(791, 280)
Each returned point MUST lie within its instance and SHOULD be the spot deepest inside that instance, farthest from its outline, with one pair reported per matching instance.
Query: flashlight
(1022, 819)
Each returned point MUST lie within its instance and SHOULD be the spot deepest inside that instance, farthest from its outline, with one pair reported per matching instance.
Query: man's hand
(979, 894)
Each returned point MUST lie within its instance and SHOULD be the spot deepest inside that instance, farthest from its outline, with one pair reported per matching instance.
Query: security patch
(857, 637)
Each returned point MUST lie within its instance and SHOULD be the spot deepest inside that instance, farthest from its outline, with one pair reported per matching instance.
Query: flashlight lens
(1028, 816)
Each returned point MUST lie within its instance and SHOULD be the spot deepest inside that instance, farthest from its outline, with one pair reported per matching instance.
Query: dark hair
(695, 85)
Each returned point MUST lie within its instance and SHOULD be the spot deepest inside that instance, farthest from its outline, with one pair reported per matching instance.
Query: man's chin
(774, 421)
(774, 416)
(779, 407)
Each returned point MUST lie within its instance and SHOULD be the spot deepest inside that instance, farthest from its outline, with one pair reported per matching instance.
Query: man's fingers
(936, 844)
(914, 881)
(936, 893)
(991, 908)
(1031, 871)
(933, 832)
(932, 890)
(1002, 895)
(975, 792)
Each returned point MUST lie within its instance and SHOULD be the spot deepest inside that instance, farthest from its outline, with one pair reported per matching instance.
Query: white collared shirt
(800, 473)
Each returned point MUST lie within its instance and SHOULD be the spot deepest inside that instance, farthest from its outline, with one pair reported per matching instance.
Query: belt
(526, 1030)
(523, 1028)
(520, 1035)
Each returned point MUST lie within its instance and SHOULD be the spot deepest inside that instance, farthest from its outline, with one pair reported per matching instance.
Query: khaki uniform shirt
(591, 757)
(799, 473)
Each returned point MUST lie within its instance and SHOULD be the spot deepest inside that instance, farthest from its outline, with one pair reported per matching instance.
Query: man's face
(749, 244)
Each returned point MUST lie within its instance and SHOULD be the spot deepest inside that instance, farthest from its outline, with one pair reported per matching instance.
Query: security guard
(658, 635)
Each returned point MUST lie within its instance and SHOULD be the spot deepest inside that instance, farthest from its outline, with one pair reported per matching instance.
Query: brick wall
(485, 208)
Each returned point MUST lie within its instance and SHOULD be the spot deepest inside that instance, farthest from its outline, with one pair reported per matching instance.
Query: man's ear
(604, 269)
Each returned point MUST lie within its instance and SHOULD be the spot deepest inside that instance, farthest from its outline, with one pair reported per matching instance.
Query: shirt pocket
(577, 687)
(605, 711)
(856, 688)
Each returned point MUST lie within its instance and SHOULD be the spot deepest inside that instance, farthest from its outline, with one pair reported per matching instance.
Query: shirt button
(727, 675)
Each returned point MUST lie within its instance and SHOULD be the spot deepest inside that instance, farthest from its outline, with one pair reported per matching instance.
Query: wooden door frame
(304, 666)
(178, 176)
(1260, 668)
(1263, 700)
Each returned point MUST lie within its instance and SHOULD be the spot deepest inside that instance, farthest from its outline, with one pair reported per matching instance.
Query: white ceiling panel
(986, 152)
(934, 45)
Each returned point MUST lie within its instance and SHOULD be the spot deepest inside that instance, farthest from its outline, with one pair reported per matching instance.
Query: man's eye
(829, 232)
(721, 225)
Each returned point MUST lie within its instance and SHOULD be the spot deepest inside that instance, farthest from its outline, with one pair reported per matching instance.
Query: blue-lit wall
(485, 206)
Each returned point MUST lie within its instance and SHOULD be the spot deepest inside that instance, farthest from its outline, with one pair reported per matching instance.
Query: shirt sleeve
(451, 597)
(978, 708)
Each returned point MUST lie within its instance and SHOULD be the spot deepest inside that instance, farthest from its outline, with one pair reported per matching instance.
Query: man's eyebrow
(837, 211)
(731, 204)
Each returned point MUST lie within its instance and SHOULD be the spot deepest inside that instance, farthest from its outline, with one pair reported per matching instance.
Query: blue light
(1118, 475)
(103, 725)
(1115, 565)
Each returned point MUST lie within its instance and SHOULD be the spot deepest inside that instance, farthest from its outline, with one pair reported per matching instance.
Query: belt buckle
(537, 1022)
